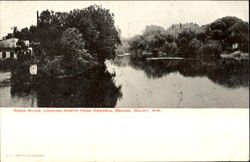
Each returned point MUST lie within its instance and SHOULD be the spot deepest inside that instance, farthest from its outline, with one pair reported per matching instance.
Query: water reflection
(230, 73)
(97, 91)
(182, 83)
(137, 84)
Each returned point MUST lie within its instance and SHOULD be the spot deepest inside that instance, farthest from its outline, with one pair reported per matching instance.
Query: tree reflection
(97, 90)
(230, 73)
(156, 69)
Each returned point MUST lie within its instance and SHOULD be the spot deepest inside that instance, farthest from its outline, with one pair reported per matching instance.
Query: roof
(9, 43)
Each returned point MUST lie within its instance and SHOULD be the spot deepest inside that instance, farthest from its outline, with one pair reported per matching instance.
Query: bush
(183, 42)
(195, 47)
(170, 49)
(98, 30)
(72, 57)
(211, 49)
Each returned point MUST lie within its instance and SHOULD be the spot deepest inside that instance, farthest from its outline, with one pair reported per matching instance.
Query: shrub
(194, 47)
(211, 49)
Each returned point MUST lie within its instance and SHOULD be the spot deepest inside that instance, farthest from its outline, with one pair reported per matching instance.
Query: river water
(141, 84)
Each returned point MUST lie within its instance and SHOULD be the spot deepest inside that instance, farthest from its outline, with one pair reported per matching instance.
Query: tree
(183, 42)
(170, 38)
(229, 30)
(25, 34)
(211, 49)
(201, 36)
(45, 19)
(69, 55)
(72, 47)
(137, 42)
(194, 46)
(96, 25)
(153, 29)
(170, 49)
(155, 42)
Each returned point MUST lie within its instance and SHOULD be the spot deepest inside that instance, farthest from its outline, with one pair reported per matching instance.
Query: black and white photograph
(124, 81)
(167, 54)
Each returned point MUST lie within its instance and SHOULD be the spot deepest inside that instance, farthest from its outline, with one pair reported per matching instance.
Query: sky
(130, 16)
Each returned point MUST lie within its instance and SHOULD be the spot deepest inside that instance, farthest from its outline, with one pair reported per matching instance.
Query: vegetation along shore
(79, 42)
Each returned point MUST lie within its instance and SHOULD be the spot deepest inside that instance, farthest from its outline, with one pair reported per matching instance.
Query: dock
(125, 54)
(165, 58)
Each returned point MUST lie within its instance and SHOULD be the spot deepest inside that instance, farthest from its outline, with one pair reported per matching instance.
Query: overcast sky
(130, 16)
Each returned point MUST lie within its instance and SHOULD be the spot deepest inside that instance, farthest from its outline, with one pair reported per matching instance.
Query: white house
(26, 43)
(9, 43)
(7, 54)
(235, 45)
(7, 48)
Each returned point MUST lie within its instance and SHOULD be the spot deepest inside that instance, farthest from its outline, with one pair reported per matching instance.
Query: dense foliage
(98, 29)
(153, 41)
(176, 29)
(229, 30)
(76, 40)
(73, 58)
(190, 40)
(95, 24)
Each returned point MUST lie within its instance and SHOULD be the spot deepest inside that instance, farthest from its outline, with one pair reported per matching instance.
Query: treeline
(176, 29)
(192, 41)
(72, 42)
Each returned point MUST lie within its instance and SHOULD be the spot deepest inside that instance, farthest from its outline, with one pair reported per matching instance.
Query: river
(141, 84)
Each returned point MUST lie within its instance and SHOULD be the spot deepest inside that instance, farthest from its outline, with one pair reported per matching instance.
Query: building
(26, 43)
(235, 46)
(7, 48)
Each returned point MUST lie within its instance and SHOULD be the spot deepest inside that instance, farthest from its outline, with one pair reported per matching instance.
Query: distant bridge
(165, 58)
(125, 54)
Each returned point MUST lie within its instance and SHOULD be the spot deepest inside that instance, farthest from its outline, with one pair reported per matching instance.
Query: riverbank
(140, 83)
(236, 55)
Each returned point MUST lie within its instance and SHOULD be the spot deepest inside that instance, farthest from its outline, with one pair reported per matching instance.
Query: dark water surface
(159, 83)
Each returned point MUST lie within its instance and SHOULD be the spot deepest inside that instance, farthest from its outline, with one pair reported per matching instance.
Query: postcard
(124, 81)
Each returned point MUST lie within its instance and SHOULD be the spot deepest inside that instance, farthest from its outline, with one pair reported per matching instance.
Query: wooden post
(37, 18)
